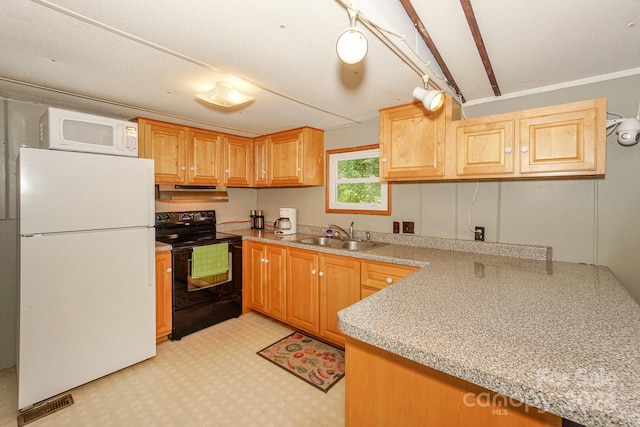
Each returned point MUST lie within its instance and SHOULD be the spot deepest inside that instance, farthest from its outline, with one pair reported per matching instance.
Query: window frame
(331, 176)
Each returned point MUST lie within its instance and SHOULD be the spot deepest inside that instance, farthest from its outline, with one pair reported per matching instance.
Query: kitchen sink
(351, 245)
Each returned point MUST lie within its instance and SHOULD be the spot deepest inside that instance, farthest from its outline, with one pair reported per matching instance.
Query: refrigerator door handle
(151, 262)
(151, 202)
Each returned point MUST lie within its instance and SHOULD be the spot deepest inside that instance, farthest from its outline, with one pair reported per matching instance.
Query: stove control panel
(185, 218)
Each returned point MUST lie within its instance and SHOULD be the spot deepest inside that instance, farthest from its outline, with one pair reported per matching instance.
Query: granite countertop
(559, 336)
(161, 247)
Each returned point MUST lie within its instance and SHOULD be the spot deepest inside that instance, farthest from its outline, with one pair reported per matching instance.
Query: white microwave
(73, 131)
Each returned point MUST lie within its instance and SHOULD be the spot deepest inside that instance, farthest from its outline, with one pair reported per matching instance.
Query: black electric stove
(203, 301)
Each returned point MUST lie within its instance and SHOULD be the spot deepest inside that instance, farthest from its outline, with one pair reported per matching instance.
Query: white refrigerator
(86, 292)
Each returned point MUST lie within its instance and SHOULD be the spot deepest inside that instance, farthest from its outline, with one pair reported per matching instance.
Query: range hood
(209, 193)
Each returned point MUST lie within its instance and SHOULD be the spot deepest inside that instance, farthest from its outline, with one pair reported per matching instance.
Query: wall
(584, 220)
(19, 124)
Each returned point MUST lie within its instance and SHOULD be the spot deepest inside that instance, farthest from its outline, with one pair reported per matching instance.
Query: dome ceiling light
(224, 94)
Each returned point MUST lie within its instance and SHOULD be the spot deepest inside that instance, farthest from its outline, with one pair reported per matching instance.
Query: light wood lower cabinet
(302, 290)
(339, 288)
(320, 285)
(378, 275)
(386, 390)
(164, 321)
(307, 289)
(264, 285)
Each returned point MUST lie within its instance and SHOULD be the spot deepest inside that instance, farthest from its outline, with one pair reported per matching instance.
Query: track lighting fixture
(224, 94)
(352, 45)
(431, 99)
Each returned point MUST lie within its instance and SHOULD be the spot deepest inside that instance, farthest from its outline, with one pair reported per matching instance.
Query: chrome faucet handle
(368, 235)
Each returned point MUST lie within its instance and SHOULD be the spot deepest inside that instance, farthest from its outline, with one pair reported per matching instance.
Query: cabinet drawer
(378, 275)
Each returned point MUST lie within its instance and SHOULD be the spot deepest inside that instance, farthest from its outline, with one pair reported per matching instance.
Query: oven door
(203, 301)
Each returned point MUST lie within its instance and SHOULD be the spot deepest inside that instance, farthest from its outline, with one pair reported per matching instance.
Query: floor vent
(45, 409)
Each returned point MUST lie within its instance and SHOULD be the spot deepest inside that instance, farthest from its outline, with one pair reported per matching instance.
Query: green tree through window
(354, 181)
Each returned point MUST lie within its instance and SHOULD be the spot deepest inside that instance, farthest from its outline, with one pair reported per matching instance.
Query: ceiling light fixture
(431, 99)
(352, 45)
(224, 94)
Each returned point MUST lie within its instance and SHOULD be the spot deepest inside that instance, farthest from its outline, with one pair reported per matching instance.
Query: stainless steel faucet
(349, 233)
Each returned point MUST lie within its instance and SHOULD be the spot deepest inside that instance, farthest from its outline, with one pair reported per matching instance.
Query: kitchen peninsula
(557, 336)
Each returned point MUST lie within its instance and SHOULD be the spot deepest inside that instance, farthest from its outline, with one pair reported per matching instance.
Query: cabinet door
(205, 157)
(302, 290)
(284, 158)
(253, 275)
(412, 143)
(565, 139)
(339, 288)
(238, 156)
(166, 144)
(484, 147)
(260, 161)
(275, 278)
(163, 295)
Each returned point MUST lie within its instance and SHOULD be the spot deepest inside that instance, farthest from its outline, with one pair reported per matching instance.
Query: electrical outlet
(407, 227)
(396, 227)
(479, 233)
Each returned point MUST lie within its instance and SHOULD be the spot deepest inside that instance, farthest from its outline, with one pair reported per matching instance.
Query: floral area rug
(313, 361)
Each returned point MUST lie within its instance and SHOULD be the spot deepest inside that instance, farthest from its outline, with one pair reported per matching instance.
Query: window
(353, 182)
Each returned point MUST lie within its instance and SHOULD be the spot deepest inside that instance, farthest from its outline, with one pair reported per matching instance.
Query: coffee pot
(286, 224)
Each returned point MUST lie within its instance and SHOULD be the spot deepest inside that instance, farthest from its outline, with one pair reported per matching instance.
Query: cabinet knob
(192, 168)
(226, 171)
(261, 259)
(524, 149)
(169, 270)
(321, 274)
(299, 169)
(266, 261)
(389, 280)
(508, 150)
(183, 168)
(384, 160)
(264, 172)
(313, 272)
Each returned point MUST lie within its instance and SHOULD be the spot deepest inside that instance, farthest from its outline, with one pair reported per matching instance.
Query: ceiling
(149, 58)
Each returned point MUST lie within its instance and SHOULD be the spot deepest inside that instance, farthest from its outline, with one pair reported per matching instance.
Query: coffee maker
(287, 222)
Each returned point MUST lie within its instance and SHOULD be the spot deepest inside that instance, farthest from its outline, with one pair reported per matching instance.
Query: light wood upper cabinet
(182, 155)
(164, 312)
(565, 139)
(238, 160)
(556, 141)
(484, 148)
(186, 155)
(205, 157)
(166, 144)
(295, 157)
(413, 141)
(260, 177)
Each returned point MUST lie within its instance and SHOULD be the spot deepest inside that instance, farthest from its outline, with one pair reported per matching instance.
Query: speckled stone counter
(161, 247)
(559, 336)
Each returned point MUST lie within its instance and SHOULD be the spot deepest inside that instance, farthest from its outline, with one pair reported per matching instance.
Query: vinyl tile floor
(212, 378)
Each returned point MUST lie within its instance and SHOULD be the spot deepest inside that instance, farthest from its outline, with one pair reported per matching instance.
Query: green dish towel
(209, 260)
